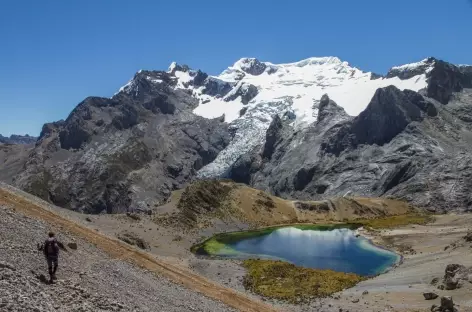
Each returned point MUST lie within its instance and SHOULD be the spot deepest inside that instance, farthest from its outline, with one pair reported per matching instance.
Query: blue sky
(55, 53)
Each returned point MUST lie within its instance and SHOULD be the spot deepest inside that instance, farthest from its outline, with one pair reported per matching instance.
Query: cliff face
(124, 153)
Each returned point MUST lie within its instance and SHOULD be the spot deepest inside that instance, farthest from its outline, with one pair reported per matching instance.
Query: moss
(396, 221)
(287, 282)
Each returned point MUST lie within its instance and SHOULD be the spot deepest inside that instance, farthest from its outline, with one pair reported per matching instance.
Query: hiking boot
(54, 277)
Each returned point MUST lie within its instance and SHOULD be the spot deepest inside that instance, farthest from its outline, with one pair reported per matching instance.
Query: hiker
(51, 251)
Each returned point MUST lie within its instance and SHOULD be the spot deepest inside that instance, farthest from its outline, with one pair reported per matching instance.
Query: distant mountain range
(312, 129)
(18, 139)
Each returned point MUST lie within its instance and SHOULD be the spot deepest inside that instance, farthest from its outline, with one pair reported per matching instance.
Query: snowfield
(291, 90)
(295, 88)
(306, 82)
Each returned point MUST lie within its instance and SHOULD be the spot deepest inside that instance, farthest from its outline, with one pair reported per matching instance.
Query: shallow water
(338, 250)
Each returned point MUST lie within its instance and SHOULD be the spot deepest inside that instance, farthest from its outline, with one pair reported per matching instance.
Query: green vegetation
(203, 199)
(396, 221)
(287, 282)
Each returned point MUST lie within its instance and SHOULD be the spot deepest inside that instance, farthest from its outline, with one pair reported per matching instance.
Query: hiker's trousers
(52, 265)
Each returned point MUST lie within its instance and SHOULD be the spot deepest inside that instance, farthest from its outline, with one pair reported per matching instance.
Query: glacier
(291, 90)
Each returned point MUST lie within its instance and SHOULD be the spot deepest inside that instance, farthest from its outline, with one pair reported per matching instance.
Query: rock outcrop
(429, 296)
(455, 276)
(124, 153)
(388, 114)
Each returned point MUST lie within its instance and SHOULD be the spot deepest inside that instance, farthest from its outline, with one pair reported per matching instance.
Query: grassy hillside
(204, 202)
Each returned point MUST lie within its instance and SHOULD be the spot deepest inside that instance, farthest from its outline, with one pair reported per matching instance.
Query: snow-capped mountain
(264, 124)
(250, 92)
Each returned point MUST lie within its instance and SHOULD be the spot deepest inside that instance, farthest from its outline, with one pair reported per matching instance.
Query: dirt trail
(119, 250)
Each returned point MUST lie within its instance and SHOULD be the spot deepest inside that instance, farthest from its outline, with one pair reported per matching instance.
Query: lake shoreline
(244, 245)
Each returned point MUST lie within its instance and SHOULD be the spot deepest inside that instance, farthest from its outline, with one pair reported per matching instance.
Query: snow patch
(413, 66)
(154, 80)
(172, 67)
(290, 87)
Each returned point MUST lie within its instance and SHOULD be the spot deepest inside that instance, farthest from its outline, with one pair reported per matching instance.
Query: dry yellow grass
(260, 209)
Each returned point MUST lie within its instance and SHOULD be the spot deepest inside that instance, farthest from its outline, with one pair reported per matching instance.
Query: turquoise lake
(339, 250)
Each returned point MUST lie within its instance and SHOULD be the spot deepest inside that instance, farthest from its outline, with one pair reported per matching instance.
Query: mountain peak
(413, 69)
(250, 66)
(174, 66)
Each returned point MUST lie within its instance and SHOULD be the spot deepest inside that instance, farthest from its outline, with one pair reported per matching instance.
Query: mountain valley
(178, 161)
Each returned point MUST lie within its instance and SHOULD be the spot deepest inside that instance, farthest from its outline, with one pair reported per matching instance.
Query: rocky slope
(88, 278)
(12, 160)
(123, 153)
(164, 129)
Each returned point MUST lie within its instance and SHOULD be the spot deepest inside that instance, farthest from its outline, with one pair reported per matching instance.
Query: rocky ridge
(18, 139)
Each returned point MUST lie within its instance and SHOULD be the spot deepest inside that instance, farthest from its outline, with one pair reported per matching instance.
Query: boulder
(451, 283)
(453, 275)
(133, 239)
(72, 245)
(429, 296)
(447, 303)
(453, 269)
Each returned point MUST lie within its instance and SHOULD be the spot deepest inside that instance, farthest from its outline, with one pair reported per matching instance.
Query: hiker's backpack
(51, 247)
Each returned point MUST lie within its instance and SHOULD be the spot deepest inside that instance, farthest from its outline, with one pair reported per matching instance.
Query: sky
(53, 54)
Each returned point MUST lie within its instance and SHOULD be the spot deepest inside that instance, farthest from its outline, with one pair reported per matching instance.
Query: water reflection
(338, 249)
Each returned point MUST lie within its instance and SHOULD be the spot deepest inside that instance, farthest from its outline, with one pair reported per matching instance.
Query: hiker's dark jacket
(54, 254)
